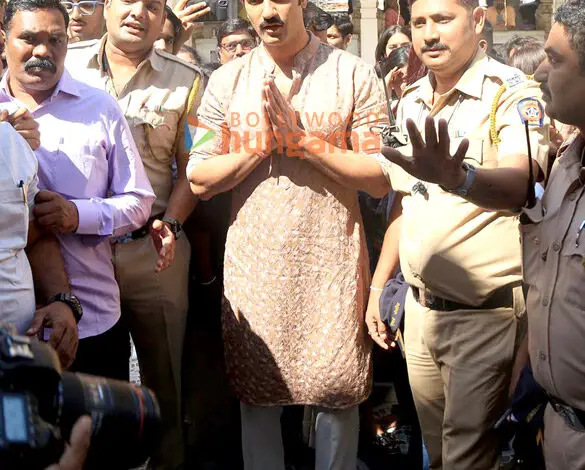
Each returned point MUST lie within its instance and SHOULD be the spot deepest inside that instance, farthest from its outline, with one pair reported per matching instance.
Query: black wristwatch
(71, 301)
(176, 226)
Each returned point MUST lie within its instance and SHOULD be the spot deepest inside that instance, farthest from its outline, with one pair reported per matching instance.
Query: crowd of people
(332, 213)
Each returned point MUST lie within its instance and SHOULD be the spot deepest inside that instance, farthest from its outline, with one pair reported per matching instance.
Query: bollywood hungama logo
(201, 133)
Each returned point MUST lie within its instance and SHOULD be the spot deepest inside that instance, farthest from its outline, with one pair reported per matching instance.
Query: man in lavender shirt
(93, 185)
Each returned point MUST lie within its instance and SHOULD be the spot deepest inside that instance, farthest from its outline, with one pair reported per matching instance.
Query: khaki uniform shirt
(554, 270)
(450, 246)
(155, 103)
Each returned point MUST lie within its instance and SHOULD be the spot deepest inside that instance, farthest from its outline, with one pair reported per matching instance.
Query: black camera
(39, 404)
(392, 137)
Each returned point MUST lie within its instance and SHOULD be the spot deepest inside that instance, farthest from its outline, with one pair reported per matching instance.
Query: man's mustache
(437, 46)
(40, 64)
(267, 23)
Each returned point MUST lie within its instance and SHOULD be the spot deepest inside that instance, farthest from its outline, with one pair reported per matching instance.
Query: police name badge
(531, 111)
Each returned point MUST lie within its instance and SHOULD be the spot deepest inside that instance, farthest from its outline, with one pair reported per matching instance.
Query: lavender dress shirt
(88, 156)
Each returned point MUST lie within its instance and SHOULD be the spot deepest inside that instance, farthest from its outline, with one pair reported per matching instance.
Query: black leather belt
(138, 233)
(574, 418)
(501, 298)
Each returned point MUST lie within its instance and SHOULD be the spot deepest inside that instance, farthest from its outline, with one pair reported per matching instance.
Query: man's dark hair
(343, 23)
(233, 26)
(468, 4)
(387, 34)
(516, 42)
(528, 57)
(571, 15)
(193, 53)
(174, 19)
(32, 5)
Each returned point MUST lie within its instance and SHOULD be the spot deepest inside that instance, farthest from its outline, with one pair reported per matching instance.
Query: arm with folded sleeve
(501, 188)
(213, 170)
(182, 202)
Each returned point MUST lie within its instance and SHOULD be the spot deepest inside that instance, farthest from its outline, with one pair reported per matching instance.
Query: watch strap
(463, 190)
(176, 226)
(71, 301)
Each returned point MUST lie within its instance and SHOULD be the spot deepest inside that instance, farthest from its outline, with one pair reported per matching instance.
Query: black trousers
(105, 355)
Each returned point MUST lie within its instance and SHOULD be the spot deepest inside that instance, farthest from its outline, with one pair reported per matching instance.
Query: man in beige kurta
(296, 268)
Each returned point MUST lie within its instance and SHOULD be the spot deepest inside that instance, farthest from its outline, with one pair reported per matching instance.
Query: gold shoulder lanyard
(493, 125)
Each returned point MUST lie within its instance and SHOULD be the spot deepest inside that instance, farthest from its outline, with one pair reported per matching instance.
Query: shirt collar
(66, 84)
(570, 151)
(96, 59)
(470, 83)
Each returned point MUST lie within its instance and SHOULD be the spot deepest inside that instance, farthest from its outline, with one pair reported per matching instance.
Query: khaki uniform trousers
(154, 307)
(564, 448)
(459, 367)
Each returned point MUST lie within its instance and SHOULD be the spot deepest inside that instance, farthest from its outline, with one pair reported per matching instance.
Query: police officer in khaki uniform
(157, 92)
(465, 308)
(554, 251)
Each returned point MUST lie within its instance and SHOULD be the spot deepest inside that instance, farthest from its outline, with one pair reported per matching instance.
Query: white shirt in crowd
(18, 188)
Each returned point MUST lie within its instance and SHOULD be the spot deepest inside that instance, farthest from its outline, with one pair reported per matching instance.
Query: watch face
(74, 303)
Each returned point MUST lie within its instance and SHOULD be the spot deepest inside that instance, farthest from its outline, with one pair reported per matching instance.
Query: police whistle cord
(530, 192)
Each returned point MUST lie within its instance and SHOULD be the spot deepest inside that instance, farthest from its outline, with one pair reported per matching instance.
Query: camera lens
(126, 419)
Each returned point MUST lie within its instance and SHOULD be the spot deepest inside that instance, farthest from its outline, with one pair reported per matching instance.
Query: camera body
(39, 405)
(29, 377)
(392, 137)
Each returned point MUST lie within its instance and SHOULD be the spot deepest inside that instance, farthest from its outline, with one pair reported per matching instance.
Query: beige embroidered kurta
(296, 267)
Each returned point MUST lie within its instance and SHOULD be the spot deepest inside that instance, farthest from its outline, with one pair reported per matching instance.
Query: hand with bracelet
(376, 327)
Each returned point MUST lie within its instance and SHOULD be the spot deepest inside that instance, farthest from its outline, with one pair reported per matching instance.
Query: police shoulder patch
(531, 111)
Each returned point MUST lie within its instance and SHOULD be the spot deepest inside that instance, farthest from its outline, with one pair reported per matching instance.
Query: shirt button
(545, 301)
(556, 246)
(542, 356)
(537, 241)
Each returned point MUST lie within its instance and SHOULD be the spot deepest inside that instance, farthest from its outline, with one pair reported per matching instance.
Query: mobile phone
(219, 9)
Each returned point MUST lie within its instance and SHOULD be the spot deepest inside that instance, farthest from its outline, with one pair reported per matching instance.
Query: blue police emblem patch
(531, 111)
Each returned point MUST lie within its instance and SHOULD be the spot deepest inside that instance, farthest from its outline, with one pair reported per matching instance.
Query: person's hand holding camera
(76, 452)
